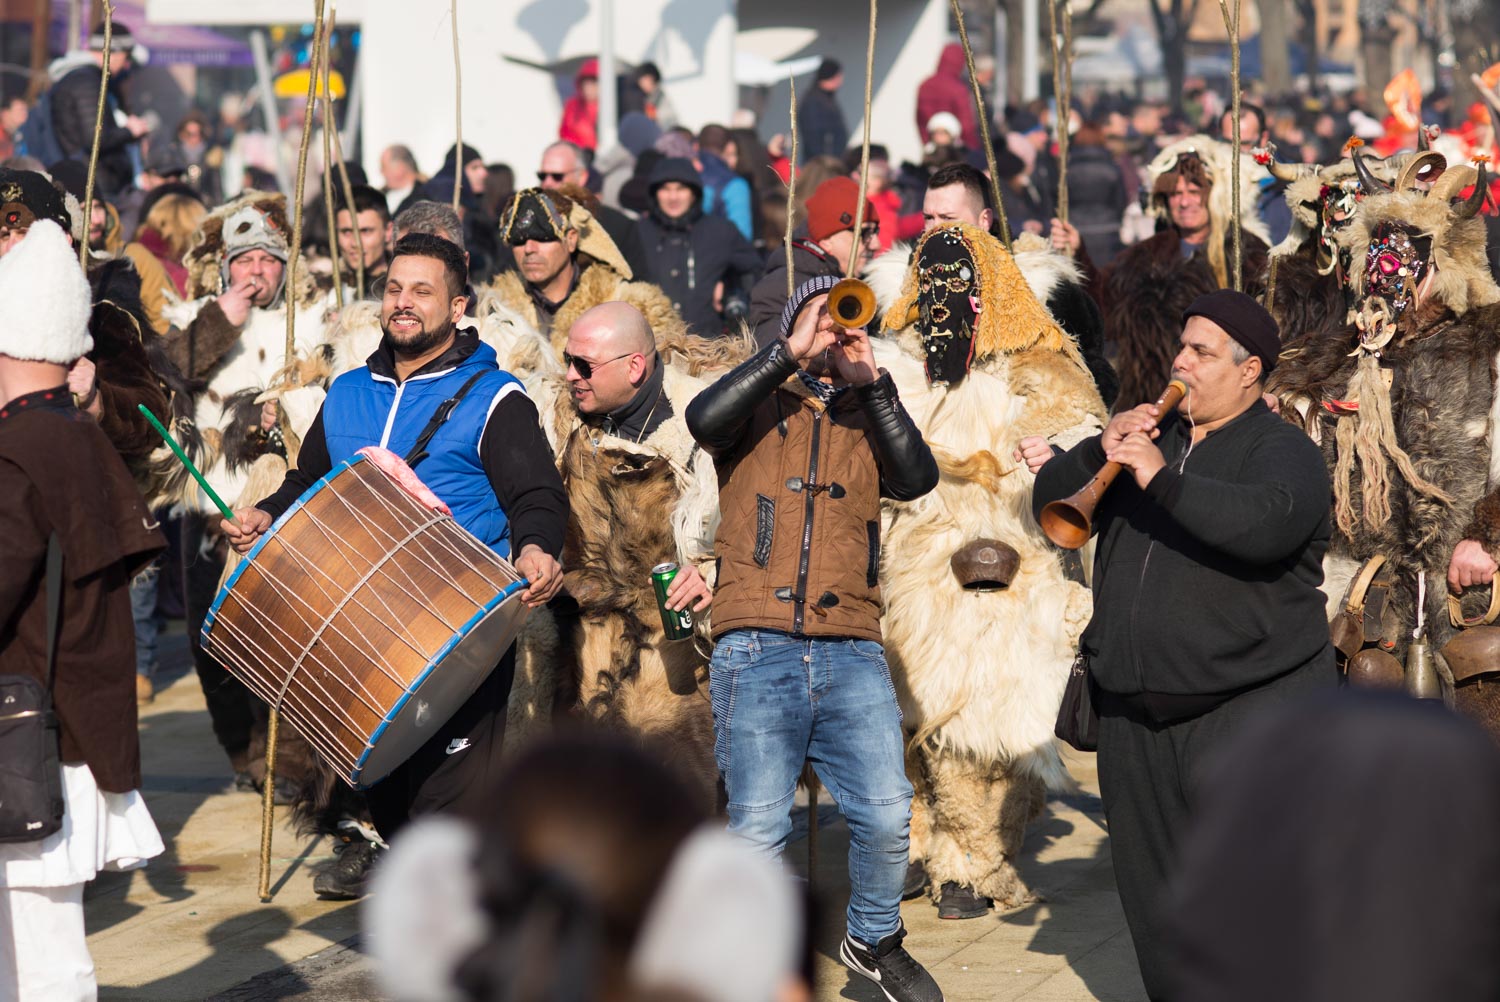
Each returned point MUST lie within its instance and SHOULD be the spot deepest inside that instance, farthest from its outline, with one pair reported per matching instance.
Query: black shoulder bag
(31, 795)
(1077, 718)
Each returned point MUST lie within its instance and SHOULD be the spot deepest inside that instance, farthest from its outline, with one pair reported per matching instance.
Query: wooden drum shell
(367, 616)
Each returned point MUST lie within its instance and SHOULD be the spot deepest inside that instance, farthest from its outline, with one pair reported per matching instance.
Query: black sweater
(1207, 582)
(513, 450)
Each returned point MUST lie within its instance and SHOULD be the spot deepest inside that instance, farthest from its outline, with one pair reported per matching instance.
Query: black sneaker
(959, 902)
(916, 881)
(896, 972)
(344, 879)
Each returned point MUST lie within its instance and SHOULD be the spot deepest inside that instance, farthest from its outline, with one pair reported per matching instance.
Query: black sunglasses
(585, 367)
(551, 175)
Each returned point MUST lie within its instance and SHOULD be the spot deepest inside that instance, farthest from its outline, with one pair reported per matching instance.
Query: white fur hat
(44, 299)
(946, 121)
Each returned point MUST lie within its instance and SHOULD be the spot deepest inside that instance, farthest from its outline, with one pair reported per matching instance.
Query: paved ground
(189, 927)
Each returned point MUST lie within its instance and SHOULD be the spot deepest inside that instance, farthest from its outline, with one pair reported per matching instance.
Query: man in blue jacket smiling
(489, 462)
(1207, 608)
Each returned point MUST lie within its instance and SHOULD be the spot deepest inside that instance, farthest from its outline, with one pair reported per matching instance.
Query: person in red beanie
(580, 118)
(824, 251)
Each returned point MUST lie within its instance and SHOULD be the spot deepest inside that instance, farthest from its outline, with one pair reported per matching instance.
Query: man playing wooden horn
(488, 461)
(1206, 602)
(981, 365)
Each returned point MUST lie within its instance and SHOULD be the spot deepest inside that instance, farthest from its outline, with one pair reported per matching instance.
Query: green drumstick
(189, 464)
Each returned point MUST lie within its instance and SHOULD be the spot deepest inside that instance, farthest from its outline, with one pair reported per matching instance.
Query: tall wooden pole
(458, 110)
(864, 153)
(88, 187)
(984, 125)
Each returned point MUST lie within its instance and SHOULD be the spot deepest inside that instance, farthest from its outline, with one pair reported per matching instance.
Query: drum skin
(368, 616)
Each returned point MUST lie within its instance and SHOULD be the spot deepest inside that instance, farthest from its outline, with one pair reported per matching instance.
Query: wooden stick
(343, 168)
(984, 126)
(791, 198)
(268, 802)
(1232, 24)
(295, 208)
(88, 187)
(458, 111)
(268, 792)
(1065, 111)
(332, 138)
(864, 155)
(335, 250)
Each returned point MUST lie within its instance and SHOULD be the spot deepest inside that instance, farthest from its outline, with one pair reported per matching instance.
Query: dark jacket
(1207, 582)
(769, 294)
(800, 485)
(75, 106)
(694, 252)
(59, 474)
(626, 235)
(820, 121)
(1096, 199)
(123, 374)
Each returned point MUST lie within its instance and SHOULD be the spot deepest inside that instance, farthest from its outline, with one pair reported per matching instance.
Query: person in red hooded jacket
(580, 118)
(948, 90)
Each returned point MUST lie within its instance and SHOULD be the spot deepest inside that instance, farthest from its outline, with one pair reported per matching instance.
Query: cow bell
(1421, 674)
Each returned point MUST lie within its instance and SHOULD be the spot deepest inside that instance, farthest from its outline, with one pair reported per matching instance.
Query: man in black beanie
(1207, 607)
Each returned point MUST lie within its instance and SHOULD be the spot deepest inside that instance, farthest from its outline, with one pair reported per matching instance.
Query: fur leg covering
(980, 811)
(529, 713)
(636, 681)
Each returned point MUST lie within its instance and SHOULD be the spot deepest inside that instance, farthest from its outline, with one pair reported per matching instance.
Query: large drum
(368, 614)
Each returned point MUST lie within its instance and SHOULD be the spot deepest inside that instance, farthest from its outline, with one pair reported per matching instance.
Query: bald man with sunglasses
(640, 494)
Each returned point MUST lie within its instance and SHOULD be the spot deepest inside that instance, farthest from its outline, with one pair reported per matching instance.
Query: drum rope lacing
(427, 541)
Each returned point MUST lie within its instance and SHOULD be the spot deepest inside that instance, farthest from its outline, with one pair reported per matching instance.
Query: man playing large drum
(489, 462)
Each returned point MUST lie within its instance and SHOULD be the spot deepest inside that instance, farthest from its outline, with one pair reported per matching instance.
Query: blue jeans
(780, 700)
(143, 611)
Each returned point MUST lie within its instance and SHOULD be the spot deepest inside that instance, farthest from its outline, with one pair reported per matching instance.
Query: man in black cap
(1207, 607)
(820, 118)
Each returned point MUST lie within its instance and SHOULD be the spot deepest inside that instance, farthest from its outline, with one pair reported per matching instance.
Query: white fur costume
(981, 674)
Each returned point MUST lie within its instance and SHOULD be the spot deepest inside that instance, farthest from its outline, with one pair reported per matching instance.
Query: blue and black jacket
(489, 462)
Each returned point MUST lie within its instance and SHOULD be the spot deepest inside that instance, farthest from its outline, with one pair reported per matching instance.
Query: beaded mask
(948, 297)
(1395, 264)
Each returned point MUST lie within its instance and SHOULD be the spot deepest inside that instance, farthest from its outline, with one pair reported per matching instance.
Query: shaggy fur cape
(980, 675)
(1146, 291)
(1444, 408)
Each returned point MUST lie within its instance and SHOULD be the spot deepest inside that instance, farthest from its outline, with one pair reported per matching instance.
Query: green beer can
(679, 625)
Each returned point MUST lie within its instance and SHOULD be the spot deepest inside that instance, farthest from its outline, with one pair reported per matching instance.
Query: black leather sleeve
(907, 468)
(717, 416)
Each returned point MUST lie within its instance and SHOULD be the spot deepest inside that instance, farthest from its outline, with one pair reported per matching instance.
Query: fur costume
(598, 283)
(980, 675)
(1412, 445)
(235, 365)
(1310, 276)
(1149, 285)
(614, 664)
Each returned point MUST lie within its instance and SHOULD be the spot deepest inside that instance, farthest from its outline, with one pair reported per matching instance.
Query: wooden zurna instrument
(1069, 522)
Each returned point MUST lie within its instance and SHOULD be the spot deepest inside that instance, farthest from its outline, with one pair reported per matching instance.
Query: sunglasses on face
(551, 175)
(585, 367)
(870, 231)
